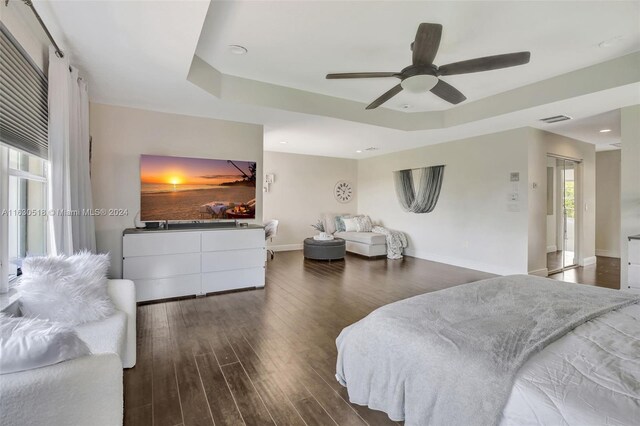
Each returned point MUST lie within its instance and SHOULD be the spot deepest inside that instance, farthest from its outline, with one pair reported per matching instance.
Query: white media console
(173, 263)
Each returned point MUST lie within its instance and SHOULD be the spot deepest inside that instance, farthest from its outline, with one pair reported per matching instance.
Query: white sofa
(82, 391)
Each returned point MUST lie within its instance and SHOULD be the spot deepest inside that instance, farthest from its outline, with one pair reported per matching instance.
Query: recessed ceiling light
(605, 130)
(359, 151)
(283, 142)
(236, 49)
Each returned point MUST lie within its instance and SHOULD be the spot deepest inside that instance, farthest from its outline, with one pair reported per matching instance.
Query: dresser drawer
(634, 275)
(634, 251)
(166, 266)
(236, 239)
(234, 259)
(230, 280)
(150, 244)
(165, 288)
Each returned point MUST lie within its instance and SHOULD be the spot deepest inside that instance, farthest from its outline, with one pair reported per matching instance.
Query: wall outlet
(513, 196)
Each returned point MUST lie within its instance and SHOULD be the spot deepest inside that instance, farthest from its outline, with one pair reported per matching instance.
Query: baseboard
(588, 261)
(463, 263)
(552, 249)
(608, 253)
(285, 247)
(540, 272)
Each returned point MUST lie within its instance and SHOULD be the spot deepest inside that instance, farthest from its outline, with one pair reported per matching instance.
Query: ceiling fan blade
(361, 75)
(385, 97)
(486, 63)
(448, 92)
(426, 43)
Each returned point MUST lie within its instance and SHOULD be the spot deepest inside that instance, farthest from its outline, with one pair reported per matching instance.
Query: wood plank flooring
(267, 357)
(605, 273)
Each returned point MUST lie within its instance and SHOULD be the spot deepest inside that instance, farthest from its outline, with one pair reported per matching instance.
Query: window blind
(23, 99)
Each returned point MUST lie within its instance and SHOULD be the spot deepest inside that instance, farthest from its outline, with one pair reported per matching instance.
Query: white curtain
(71, 226)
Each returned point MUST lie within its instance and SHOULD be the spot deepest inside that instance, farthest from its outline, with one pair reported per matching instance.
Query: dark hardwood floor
(268, 356)
(605, 273)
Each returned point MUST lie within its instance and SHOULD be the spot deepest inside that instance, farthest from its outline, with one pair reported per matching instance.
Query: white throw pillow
(72, 290)
(350, 224)
(27, 343)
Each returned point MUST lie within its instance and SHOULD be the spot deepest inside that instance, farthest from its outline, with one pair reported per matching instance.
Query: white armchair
(82, 391)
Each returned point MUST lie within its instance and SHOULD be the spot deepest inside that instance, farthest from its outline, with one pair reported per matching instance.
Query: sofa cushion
(370, 238)
(107, 335)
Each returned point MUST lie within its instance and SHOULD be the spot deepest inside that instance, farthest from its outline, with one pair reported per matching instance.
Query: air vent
(555, 119)
(617, 145)
(371, 148)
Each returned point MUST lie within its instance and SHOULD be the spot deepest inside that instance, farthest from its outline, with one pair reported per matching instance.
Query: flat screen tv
(195, 189)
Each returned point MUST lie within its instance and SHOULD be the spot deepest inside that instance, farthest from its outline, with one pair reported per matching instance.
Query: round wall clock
(343, 191)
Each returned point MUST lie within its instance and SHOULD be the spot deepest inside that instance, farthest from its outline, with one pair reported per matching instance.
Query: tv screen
(179, 188)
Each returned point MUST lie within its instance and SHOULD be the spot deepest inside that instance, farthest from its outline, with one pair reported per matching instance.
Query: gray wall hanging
(423, 200)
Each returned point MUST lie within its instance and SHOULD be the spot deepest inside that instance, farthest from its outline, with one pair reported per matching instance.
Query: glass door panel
(568, 205)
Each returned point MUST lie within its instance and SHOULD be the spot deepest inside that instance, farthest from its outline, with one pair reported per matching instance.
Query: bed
(517, 350)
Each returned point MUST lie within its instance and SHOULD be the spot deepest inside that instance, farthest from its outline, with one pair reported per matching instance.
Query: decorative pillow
(340, 222)
(27, 343)
(330, 223)
(363, 223)
(72, 290)
(350, 224)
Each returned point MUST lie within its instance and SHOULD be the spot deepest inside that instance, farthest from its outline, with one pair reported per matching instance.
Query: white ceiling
(588, 129)
(296, 44)
(138, 54)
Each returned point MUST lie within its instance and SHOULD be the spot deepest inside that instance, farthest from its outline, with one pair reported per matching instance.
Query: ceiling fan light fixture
(419, 83)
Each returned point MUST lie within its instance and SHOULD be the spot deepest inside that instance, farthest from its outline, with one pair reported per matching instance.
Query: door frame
(578, 200)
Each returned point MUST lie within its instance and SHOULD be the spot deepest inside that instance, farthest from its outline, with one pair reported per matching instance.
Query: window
(23, 148)
(25, 207)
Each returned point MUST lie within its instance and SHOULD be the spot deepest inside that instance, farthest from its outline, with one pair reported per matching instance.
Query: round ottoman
(324, 250)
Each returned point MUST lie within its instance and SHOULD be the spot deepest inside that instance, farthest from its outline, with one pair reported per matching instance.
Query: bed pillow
(350, 224)
(71, 290)
(364, 224)
(27, 343)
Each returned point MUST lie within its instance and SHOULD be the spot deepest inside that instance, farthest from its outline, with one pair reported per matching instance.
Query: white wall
(121, 134)
(471, 225)
(302, 192)
(541, 144)
(629, 184)
(608, 203)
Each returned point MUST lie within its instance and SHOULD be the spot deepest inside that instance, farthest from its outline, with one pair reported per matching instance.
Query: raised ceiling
(295, 44)
(141, 54)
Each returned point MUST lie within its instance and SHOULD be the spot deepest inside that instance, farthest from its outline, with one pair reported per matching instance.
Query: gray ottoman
(324, 250)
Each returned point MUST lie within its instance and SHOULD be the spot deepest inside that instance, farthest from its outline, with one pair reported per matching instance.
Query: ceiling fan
(422, 75)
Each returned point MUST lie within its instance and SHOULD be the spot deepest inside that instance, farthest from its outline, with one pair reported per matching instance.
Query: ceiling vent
(555, 119)
(371, 148)
(617, 145)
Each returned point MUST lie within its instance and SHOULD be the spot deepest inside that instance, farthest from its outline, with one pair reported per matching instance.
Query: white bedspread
(591, 376)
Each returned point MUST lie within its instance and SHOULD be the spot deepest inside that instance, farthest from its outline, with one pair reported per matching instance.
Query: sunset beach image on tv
(178, 188)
